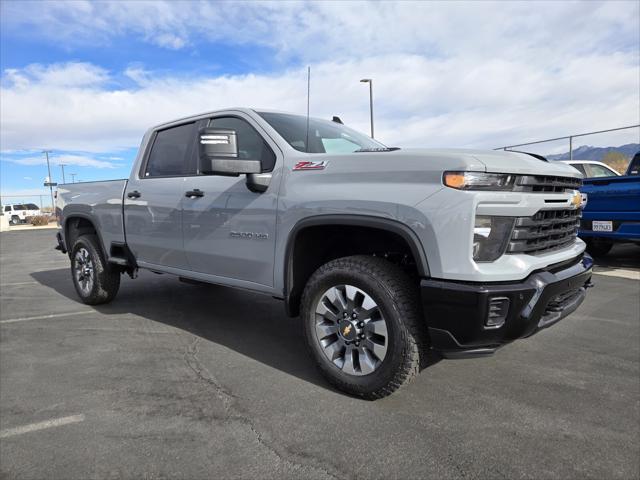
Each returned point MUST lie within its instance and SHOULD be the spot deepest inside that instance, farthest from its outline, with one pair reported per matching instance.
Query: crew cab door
(229, 230)
(154, 197)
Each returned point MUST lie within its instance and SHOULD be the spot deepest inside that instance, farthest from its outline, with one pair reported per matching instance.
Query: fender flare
(84, 216)
(379, 223)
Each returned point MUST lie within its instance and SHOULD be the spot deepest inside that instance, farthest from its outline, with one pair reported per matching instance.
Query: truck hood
(497, 161)
(419, 160)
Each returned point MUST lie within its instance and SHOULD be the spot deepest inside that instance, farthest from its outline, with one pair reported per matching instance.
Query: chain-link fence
(615, 146)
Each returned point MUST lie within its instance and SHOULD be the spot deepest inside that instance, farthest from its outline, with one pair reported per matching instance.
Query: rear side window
(7, 209)
(251, 145)
(170, 150)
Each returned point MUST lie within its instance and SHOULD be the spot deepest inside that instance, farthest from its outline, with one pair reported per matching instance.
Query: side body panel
(153, 221)
(99, 202)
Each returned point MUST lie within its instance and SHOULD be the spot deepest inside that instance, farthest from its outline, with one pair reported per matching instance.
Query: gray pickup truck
(387, 255)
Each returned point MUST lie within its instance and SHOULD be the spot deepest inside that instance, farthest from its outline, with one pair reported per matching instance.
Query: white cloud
(76, 160)
(27, 178)
(445, 74)
(73, 74)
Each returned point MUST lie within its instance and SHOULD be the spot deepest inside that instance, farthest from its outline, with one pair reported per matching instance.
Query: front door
(153, 200)
(230, 231)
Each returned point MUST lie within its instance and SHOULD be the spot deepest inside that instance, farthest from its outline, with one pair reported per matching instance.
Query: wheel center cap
(347, 330)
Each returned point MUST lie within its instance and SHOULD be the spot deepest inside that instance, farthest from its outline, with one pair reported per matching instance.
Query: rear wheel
(599, 247)
(364, 325)
(15, 220)
(95, 280)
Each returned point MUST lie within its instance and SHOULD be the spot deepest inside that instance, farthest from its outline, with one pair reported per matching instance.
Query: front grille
(546, 230)
(546, 183)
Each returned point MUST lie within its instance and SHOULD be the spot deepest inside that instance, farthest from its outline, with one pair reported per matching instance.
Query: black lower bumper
(457, 313)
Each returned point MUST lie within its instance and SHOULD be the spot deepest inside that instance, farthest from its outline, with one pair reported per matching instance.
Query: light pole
(50, 182)
(73, 177)
(370, 82)
(62, 165)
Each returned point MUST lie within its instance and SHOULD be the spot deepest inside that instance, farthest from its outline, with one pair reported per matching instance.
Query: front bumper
(457, 312)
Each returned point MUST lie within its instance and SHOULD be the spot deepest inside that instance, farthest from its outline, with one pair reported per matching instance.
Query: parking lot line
(44, 317)
(18, 283)
(58, 422)
(620, 273)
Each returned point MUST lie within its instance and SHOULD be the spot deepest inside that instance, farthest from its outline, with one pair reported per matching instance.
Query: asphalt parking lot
(180, 381)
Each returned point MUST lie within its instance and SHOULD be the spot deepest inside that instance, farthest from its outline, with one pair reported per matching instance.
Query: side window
(170, 151)
(598, 171)
(7, 208)
(251, 145)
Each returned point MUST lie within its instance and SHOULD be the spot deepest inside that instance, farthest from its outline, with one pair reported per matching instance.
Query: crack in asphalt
(234, 414)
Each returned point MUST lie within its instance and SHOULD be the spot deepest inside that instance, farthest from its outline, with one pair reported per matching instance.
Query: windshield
(324, 136)
(31, 206)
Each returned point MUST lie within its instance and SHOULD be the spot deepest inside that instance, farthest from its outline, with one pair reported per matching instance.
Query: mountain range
(586, 152)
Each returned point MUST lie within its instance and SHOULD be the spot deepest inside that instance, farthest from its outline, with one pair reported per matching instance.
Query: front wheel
(95, 280)
(364, 325)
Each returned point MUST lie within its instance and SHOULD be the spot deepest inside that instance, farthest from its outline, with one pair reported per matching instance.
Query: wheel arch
(78, 224)
(296, 274)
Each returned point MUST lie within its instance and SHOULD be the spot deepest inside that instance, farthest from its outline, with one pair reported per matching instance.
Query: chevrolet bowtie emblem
(346, 330)
(576, 200)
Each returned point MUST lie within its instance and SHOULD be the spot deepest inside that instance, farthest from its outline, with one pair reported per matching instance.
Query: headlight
(478, 180)
(490, 237)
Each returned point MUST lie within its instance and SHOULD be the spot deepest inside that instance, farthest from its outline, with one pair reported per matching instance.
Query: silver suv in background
(387, 255)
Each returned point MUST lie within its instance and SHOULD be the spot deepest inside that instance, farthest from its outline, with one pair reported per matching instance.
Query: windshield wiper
(377, 149)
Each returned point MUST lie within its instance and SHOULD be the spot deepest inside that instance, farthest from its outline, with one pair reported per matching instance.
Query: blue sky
(86, 79)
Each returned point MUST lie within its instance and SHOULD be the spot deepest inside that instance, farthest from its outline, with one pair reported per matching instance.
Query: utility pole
(62, 165)
(73, 177)
(49, 182)
(370, 82)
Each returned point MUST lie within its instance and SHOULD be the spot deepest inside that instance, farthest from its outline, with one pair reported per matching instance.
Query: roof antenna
(308, 96)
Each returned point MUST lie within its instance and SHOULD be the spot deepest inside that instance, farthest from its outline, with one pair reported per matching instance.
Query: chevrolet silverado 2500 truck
(384, 253)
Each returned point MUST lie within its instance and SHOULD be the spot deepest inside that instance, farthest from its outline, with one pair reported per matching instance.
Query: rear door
(154, 196)
(230, 231)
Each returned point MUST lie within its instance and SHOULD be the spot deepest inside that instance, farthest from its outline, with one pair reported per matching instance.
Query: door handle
(134, 194)
(194, 193)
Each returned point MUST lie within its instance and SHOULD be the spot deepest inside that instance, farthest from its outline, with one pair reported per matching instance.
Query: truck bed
(99, 201)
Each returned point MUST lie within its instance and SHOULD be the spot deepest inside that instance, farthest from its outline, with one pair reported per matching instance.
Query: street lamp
(370, 82)
(73, 177)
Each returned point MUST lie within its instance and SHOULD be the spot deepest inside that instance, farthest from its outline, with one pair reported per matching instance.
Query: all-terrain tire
(599, 247)
(397, 297)
(105, 279)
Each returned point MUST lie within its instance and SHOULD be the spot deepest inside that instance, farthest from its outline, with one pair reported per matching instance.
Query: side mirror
(219, 154)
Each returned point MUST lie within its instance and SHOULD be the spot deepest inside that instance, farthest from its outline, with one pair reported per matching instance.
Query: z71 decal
(310, 165)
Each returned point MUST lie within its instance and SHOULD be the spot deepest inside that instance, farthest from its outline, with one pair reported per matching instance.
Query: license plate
(602, 226)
